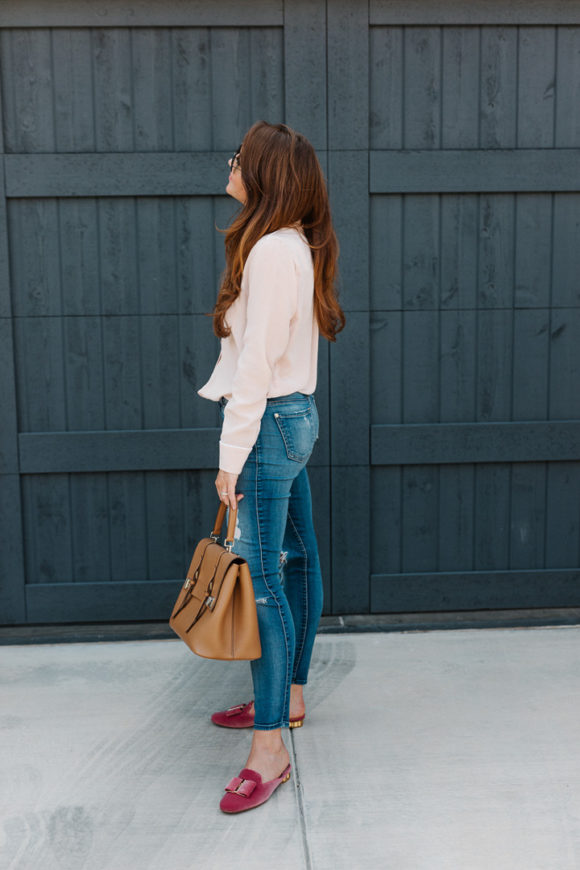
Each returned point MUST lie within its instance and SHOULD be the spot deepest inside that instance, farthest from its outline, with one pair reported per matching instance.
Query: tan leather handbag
(215, 612)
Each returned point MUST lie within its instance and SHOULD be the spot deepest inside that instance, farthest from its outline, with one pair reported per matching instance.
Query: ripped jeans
(275, 534)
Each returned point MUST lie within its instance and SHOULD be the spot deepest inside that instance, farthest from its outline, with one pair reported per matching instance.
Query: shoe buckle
(243, 787)
(231, 711)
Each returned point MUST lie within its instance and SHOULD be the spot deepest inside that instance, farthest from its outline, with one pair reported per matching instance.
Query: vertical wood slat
(498, 87)
(460, 87)
(72, 86)
(348, 64)
(422, 87)
(567, 133)
(566, 252)
(305, 69)
(537, 78)
(386, 87)
(12, 601)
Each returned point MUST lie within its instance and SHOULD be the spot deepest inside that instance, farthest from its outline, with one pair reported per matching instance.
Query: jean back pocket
(299, 430)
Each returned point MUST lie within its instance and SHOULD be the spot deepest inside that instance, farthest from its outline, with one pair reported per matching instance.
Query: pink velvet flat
(241, 716)
(246, 791)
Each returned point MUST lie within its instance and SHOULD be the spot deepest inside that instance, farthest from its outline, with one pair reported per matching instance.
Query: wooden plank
(12, 603)
(35, 268)
(44, 175)
(8, 418)
(421, 249)
(156, 255)
(531, 364)
(231, 87)
(533, 250)
(456, 517)
(79, 256)
(474, 590)
(165, 523)
(495, 288)
(563, 515)
(494, 365)
(305, 68)
(498, 87)
(128, 526)
(195, 268)
(124, 450)
(143, 13)
(386, 359)
(27, 88)
(457, 365)
(435, 443)
(350, 397)
(5, 285)
(267, 67)
(566, 251)
(386, 87)
(537, 86)
(348, 184)
(83, 373)
(386, 245)
(47, 529)
(468, 171)
(159, 364)
(41, 391)
(492, 488)
(478, 12)
(567, 133)
(528, 516)
(564, 364)
(152, 89)
(130, 601)
(72, 90)
(90, 539)
(118, 264)
(419, 518)
(385, 497)
(133, 174)
(420, 366)
(348, 64)
(460, 87)
(459, 241)
(191, 73)
(350, 488)
(422, 88)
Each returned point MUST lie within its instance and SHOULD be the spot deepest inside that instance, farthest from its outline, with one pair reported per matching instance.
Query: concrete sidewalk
(441, 750)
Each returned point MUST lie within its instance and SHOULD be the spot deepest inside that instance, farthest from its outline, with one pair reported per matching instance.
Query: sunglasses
(234, 161)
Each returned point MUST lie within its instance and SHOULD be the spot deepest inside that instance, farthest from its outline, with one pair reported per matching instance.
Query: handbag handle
(228, 543)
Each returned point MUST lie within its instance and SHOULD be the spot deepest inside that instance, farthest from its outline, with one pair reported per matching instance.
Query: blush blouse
(272, 349)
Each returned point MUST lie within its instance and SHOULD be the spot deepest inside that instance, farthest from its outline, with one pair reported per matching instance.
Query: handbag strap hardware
(228, 545)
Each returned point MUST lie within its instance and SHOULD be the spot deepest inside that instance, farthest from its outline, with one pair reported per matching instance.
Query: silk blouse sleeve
(272, 301)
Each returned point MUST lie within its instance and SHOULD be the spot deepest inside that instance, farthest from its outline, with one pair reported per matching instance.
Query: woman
(277, 294)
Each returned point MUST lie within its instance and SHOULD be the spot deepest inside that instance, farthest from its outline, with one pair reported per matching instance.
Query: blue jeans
(275, 534)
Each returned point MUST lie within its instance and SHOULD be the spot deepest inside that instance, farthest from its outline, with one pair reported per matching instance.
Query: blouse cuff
(232, 457)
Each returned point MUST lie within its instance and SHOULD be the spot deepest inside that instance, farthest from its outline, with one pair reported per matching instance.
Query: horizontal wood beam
(437, 443)
(120, 450)
(141, 13)
(490, 12)
(474, 590)
(471, 171)
(155, 174)
(94, 602)
(201, 173)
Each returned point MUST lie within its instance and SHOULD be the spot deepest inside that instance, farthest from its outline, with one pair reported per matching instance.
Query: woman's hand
(225, 484)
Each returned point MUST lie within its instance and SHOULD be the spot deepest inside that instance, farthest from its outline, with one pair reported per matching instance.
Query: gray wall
(447, 475)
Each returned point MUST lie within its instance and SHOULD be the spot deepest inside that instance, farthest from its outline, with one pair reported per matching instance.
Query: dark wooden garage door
(447, 476)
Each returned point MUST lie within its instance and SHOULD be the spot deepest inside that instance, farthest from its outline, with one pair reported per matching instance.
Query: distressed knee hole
(269, 601)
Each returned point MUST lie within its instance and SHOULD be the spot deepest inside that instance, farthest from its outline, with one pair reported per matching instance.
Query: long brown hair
(284, 185)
